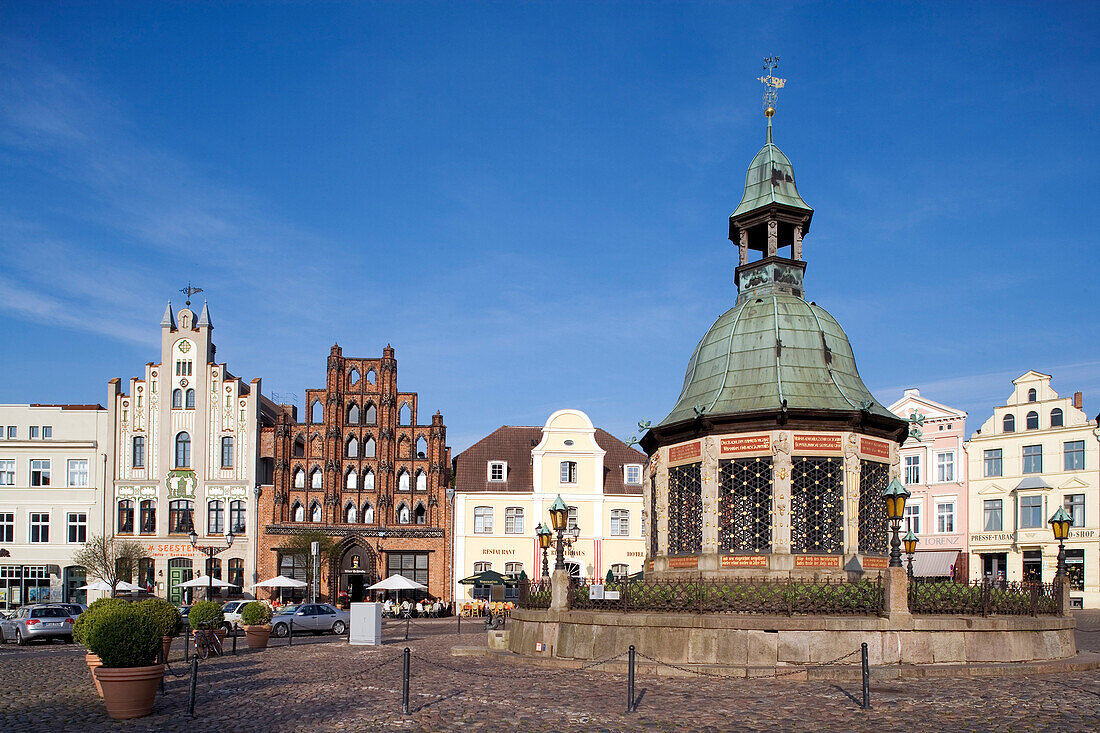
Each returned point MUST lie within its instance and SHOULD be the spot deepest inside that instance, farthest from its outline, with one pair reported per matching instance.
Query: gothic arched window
(353, 414)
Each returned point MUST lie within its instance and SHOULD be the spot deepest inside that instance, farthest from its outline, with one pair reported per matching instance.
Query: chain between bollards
(405, 683)
(194, 684)
(866, 676)
(630, 681)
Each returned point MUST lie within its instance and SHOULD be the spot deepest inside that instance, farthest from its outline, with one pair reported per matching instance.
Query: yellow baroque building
(1034, 454)
(506, 482)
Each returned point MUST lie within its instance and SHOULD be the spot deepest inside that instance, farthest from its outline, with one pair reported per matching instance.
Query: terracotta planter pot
(166, 642)
(129, 692)
(257, 636)
(92, 660)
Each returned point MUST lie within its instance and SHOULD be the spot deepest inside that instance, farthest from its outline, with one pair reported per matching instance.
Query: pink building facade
(933, 467)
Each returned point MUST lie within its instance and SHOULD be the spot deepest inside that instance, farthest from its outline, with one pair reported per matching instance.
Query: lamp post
(210, 551)
(1060, 523)
(910, 540)
(543, 533)
(895, 495)
(559, 517)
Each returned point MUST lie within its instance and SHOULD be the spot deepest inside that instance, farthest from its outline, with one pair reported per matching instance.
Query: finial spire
(772, 85)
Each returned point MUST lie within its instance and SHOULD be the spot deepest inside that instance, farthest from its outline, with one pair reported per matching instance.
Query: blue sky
(530, 200)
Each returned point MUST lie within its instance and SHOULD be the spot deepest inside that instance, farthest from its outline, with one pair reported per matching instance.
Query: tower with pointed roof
(775, 455)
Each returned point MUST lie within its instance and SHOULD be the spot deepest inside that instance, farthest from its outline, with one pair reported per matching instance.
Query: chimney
(1078, 400)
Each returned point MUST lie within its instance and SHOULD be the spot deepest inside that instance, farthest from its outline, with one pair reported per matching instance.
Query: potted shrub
(207, 615)
(127, 641)
(168, 618)
(256, 618)
(84, 623)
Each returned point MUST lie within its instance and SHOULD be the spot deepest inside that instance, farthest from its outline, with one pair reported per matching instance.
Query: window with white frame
(34, 431)
(47, 431)
(227, 451)
(40, 472)
(12, 432)
(568, 472)
(945, 517)
(912, 469)
(138, 453)
(620, 570)
(1075, 507)
(620, 522)
(571, 517)
(78, 472)
(993, 515)
(912, 517)
(483, 520)
(498, 471)
(513, 520)
(7, 472)
(7, 527)
(993, 462)
(77, 523)
(481, 567)
(1031, 512)
(40, 527)
(513, 569)
(945, 467)
(632, 474)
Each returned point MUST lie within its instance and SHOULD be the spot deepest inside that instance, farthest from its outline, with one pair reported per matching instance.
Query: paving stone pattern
(322, 683)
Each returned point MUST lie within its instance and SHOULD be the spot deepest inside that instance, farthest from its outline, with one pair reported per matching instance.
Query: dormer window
(1031, 395)
(498, 471)
(632, 474)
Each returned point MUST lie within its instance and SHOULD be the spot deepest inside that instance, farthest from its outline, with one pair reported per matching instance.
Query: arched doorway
(357, 571)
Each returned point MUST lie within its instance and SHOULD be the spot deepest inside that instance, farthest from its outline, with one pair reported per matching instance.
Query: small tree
(108, 558)
(301, 546)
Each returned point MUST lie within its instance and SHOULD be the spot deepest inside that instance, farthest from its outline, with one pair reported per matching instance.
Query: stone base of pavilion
(759, 645)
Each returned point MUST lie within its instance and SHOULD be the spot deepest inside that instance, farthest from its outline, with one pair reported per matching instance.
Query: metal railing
(984, 598)
(534, 595)
(784, 597)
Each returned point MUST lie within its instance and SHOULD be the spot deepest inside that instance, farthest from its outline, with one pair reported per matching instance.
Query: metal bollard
(866, 677)
(194, 684)
(460, 622)
(408, 620)
(162, 658)
(630, 682)
(187, 647)
(234, 638)
(290, 633)
(405, 684)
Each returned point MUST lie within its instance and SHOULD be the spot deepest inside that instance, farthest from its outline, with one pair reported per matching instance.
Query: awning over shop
(934, 563)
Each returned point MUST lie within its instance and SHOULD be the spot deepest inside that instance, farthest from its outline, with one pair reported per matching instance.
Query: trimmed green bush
(166, 615)
(256, 614)
(86, 620)
(125, 637)
(205, 615)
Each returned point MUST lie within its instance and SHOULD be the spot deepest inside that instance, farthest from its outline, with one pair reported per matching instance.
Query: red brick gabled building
(363, 468)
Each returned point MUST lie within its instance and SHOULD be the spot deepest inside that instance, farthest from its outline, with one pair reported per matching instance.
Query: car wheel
(280, 631)
(339, 628)
(19, 638)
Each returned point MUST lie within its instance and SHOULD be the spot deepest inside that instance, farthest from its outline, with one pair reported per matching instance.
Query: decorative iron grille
(685, 510)
(652, 516)
(782, 597)
(873, 525)
(817, 505)
(534, 595)
(745, 505)
(981, 597)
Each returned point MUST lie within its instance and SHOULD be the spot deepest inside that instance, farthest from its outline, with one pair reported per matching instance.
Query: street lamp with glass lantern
(1060, 524)
(895, 495)
(910, 541)
(210, 552)
(559, 518)
(543, 533)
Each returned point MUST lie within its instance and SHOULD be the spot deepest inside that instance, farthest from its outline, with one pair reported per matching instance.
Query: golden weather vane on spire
(772, 84)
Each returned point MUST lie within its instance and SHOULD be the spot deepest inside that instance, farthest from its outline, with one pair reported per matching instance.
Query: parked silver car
(315, 617)
(42, 621)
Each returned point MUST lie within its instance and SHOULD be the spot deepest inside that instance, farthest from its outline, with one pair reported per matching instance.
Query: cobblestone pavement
(322, 683)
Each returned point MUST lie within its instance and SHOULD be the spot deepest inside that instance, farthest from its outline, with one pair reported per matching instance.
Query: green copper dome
(770, 351)
(770, 180)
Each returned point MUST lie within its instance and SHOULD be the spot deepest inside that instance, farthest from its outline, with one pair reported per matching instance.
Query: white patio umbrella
(397, 583)
(206, 581)
(281, 581)
(100, 585)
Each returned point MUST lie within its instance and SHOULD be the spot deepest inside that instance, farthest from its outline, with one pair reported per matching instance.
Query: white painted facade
(187, 433)
(53, 477)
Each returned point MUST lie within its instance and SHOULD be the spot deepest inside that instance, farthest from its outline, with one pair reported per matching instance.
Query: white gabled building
(53, 468)
(1034, 454)
(187, 433)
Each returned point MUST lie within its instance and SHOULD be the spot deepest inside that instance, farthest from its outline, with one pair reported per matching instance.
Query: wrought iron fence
(984, 598)
(534, 595)
(785, 597)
